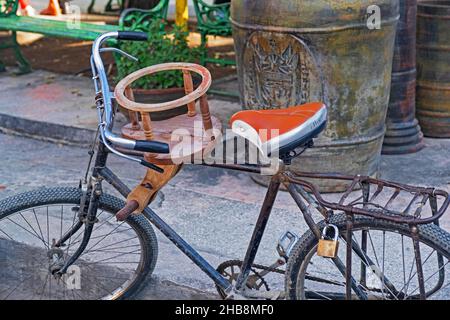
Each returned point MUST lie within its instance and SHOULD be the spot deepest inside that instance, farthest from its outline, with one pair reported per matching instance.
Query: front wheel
(116, 262)
(387, 270)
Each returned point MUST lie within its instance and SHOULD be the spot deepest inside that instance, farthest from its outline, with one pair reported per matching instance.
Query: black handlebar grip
(151, 146)
(132, 35)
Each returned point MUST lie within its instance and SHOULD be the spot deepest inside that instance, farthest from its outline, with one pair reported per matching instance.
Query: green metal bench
(140, 19)
(213, 20)
(108, 6)
(9, 20)
(131, 19)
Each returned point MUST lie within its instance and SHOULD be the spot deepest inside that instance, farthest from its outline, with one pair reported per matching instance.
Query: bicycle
(47, 236)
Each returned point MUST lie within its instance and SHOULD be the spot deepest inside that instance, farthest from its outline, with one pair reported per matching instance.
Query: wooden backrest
(179, 131)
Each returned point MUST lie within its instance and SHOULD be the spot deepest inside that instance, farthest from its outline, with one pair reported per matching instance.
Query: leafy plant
(161, 47)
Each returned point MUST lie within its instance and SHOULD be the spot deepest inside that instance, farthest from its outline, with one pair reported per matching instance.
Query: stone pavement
(213, 209)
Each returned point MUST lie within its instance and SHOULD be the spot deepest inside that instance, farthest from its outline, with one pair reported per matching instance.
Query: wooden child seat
(188, 135)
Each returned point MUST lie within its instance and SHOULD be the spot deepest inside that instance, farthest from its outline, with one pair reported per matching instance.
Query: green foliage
(161, 47)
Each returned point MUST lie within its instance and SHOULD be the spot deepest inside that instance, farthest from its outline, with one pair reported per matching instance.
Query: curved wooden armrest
(163, 130)
(187, 99)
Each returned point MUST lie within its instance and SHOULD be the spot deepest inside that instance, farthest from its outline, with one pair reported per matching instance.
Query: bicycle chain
(263, 281)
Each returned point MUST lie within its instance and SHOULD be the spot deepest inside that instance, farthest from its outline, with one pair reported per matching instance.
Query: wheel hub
(55, 256)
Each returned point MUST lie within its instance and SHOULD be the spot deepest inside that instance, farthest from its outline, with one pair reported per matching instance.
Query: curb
(41, 130)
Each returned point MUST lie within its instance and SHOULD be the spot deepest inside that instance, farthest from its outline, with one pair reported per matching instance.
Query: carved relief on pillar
(279, 71)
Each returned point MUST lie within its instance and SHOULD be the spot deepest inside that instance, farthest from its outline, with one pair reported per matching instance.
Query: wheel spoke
(365, 262)
(61, 226)
(1, 230)
(43, 288)
(38, 224)
(17, 286)
(106, 246)
(411, 276)
(34, 231)
(382, 270)
(319, 294)
(104, 237)
(48, 228)
(115, 254)
(22, 227)
(403, 264)
(431, 276)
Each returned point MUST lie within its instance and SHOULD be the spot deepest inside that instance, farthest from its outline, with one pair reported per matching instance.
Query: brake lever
(123, 53)
(152, 166)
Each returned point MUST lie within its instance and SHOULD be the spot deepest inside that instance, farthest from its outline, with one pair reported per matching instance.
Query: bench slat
(56, 28)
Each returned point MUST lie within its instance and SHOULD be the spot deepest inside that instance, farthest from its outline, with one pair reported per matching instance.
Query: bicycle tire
(67, 195)
(429, 234)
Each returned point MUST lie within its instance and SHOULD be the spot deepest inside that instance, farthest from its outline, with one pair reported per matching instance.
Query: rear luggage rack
(379, 199)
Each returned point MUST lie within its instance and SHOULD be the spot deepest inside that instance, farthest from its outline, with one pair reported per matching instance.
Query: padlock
(328, 248)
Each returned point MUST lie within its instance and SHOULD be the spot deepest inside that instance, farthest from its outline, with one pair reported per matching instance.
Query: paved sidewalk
(213, 209)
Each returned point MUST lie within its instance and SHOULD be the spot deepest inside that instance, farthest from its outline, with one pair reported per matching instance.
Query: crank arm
(272, 267)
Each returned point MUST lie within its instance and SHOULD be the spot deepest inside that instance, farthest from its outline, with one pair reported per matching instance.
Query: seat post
(292, 154)
(258, 232)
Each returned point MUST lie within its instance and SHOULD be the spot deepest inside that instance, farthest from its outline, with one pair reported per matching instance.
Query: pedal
(286, 243)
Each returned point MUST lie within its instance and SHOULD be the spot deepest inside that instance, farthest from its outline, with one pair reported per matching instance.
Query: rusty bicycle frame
(304, 193)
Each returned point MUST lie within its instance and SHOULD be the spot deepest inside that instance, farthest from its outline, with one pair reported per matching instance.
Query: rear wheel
(389, 252)
(115, 263)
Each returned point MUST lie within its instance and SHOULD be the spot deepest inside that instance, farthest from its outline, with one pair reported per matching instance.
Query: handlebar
(104, 104)
(132, 35)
